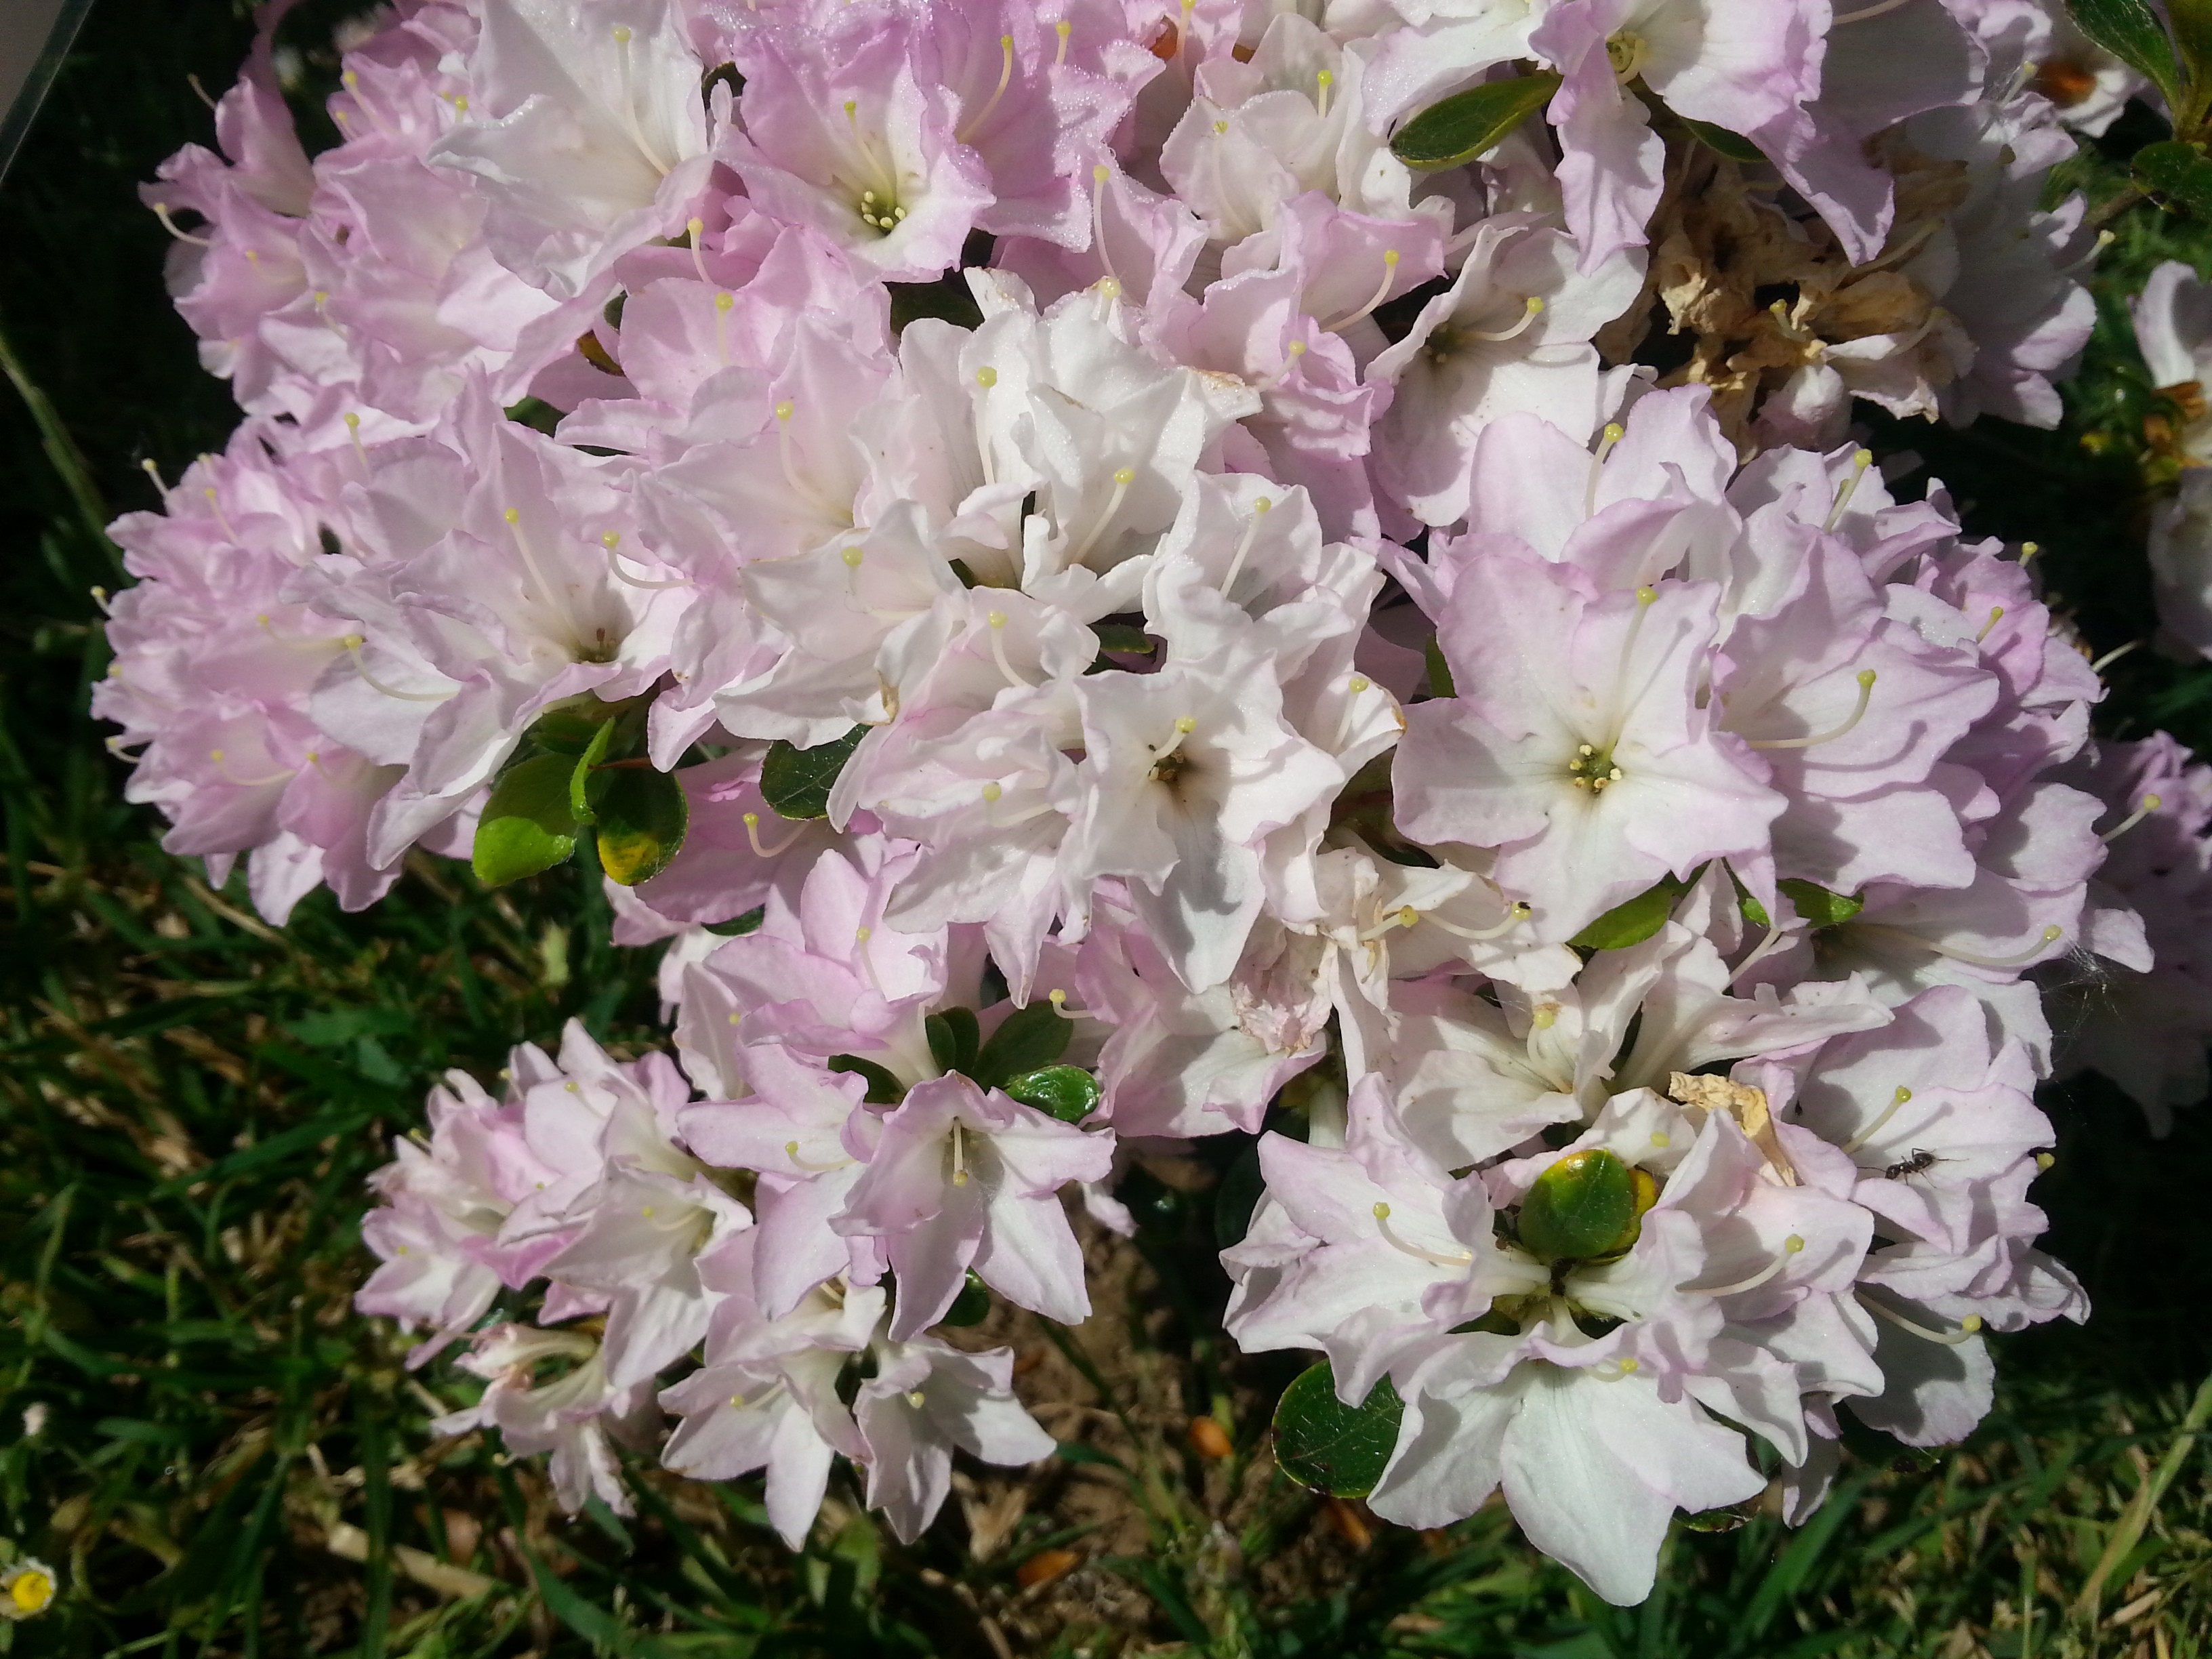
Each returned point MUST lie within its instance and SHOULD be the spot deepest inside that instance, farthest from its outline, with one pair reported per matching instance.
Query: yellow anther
(784, 410)
(987, 377)
(725, 301)
(851, 557)
(991, 793)
(1125, 475)
(1186, 724)
(512, 515)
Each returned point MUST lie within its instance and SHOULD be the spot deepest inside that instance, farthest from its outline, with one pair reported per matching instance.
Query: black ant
(1921, 1161)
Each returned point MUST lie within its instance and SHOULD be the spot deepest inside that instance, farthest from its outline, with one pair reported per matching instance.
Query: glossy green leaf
(796, 782)
(642, 816)
(953, 1039)
(1453, 130)
(2178, 175)
(1633, 921)
(1583, 1207)
(1026, 1040)
(1720, 140)
(568, 727)
(1817, 905)
(2192, 33)
(1066, 1092)
(526, 825)
(1321, 1443)
(971, 1307)
(884, 1088)
(1753, 911)
(580, 779)
(2132, 31)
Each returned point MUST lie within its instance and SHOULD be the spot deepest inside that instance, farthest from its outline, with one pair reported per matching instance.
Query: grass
(222, 1459)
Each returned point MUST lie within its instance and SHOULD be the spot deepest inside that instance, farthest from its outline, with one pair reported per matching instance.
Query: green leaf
(1633, 921)
(1027, 1039)
(1753, 911)
(1237, 1197)
(2178, 175)
(580, 781)
(1817, 905)
(1440, 674)
(884, 1087)
(952, 1039)
(1125, 637)
(2192, 32)
(972, 1306)
(1720, 141)
(737, 926)
(527, 825)
(1580, 1208)
(571, 726)
(1321, 1443)
(948, 298)
(1456, 130)
(1066, 1092)
(796, 782)
(642, 817)
(2132, 31)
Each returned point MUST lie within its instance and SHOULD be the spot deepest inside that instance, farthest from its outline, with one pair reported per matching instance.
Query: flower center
(1592, 769)
(1625, 52)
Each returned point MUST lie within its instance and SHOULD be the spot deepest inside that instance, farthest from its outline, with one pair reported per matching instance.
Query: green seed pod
(1583, 1207)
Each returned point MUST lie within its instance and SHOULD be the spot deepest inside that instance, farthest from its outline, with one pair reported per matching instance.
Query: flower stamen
(1790, 1247)
(1613, 432)
(1861, 460)
(1381, 293)
(1005, 75)
(1260, 508)
(2149, 804)
(1866, 696)
(1881, 1122)
(352, 644)
(1391, 1238)
(752, 834)
(1531, 309)
(997, 619)
(1969, 1327)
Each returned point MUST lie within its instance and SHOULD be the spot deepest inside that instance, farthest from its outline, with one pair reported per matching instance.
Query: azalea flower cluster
(1096, 606)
